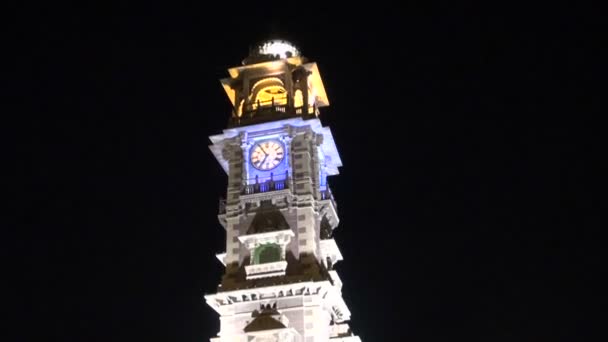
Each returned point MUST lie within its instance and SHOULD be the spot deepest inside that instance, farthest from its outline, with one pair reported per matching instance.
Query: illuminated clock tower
(279, 213)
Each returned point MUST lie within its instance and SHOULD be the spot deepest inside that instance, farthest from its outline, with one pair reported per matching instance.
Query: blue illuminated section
(278, 173)
(322, 180)
(276, 179)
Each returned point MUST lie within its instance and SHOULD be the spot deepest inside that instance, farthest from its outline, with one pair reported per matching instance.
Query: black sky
(467, 199)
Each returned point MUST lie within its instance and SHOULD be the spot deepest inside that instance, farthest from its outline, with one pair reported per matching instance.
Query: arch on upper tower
(267, 253)
(268, 218)
(325, 229)
(267, 92)
(298, 98)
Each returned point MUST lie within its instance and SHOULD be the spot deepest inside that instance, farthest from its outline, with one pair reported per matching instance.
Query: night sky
(467, 203)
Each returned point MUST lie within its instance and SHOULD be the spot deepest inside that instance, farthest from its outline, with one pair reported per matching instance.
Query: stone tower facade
(279, 212)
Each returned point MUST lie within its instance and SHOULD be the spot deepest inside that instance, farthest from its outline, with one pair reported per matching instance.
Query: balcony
(265, 184)
(272, 269)
(327, 195)
(270, 111)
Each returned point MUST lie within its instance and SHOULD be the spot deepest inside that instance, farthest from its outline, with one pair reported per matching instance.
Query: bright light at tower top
(280, 48)
(271, 50)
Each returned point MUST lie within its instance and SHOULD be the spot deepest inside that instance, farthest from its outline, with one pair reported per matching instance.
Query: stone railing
(271, 269)
(265, 187)
(272, 183)
(270, 111)
(327, 195)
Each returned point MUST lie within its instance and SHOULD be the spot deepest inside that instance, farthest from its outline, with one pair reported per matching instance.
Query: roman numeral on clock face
(267, 155)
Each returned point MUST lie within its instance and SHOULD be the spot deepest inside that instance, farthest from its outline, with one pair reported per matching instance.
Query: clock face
(267, 155)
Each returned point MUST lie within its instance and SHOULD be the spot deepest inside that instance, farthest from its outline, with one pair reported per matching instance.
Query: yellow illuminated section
(272, 90)
(298, 99)
(312, 95)
(240, 109)
(267, 92)
(318, 95)
(272, 94)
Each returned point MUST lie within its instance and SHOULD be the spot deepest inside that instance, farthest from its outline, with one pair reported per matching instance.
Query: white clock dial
(267, 155)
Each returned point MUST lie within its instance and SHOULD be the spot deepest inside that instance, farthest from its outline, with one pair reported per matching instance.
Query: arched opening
(267, 253)
(312, 96)
(268, 92)
(298, 99)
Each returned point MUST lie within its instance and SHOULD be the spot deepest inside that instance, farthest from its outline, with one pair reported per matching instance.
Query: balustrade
(265, 184)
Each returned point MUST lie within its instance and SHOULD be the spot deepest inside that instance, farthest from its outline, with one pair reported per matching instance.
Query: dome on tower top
(282, 48)
(270, 50)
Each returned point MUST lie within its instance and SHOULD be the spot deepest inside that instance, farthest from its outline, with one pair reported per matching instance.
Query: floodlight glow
(278, 47)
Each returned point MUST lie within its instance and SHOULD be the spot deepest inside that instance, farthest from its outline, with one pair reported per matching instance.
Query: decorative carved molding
(271, 269)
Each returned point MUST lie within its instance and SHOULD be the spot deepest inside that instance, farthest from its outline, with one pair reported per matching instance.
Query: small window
(267, 253)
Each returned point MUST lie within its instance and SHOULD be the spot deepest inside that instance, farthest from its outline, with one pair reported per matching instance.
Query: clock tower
(279, 213)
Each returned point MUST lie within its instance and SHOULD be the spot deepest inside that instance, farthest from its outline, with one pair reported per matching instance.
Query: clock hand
(263, 150)
(263, 160)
